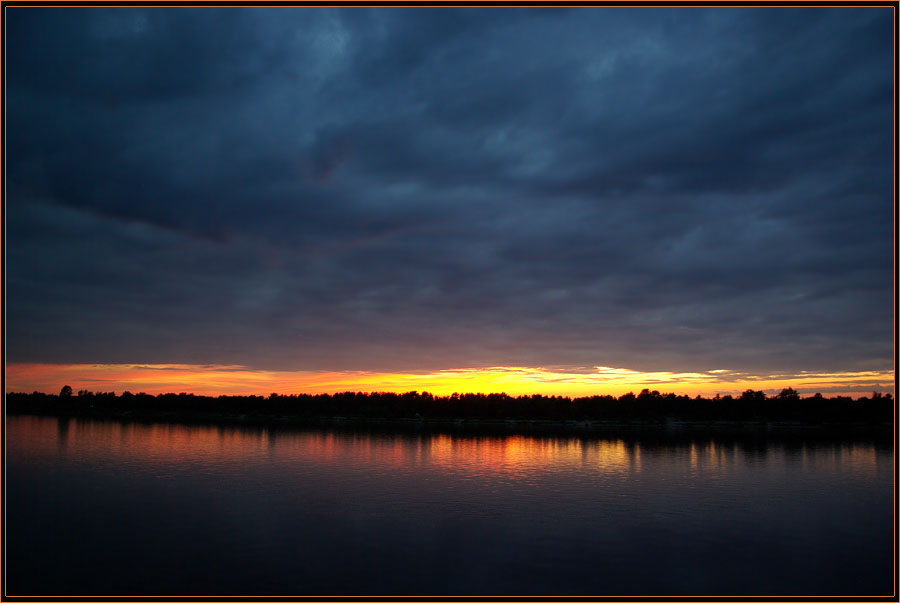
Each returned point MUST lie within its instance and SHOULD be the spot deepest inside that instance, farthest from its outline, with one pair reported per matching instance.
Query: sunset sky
(573, 201)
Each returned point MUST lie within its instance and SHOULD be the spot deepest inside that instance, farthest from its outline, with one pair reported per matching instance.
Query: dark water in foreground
(112, 508)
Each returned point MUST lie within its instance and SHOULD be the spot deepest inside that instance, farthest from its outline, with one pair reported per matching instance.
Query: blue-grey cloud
(402, 189)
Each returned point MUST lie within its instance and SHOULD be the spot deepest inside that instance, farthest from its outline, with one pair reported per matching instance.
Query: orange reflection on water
(178, 447)
(518, 455)
(39, 436)
(511, 455)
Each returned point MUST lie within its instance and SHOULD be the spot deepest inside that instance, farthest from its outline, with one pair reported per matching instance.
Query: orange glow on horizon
(240, 380)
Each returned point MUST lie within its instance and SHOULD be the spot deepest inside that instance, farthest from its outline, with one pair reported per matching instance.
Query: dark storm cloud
(387, 189)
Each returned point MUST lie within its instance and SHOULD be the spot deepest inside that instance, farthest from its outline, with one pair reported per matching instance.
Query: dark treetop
(752, 407)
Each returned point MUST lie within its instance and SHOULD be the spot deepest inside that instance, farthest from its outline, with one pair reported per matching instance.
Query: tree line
(648, 405)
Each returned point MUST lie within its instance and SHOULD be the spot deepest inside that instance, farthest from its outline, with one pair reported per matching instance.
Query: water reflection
(196, 509)
(509, 456)
(62, 433)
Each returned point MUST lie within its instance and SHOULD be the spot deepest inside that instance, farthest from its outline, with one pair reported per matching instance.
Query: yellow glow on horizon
(235, 379)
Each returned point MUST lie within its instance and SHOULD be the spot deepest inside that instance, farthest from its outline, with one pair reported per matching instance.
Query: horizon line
(214, 380)
(655, 393)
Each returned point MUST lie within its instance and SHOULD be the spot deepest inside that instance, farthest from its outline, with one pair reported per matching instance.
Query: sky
(311, 199)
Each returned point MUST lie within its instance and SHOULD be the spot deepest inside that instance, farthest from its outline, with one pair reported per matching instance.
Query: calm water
(99, 507)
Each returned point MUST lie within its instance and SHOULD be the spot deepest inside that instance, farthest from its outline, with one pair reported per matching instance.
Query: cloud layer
(674, 189)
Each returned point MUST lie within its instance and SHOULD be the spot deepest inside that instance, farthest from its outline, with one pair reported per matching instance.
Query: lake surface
(112, 508)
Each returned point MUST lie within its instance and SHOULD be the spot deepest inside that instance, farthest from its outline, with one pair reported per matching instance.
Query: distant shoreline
(753, 413)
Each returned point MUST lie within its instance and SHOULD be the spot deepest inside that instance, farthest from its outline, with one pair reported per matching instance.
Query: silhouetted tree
(788, 393)
(649, 405)
(753, 396)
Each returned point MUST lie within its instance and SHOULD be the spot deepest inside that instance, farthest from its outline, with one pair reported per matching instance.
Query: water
(110, 508)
